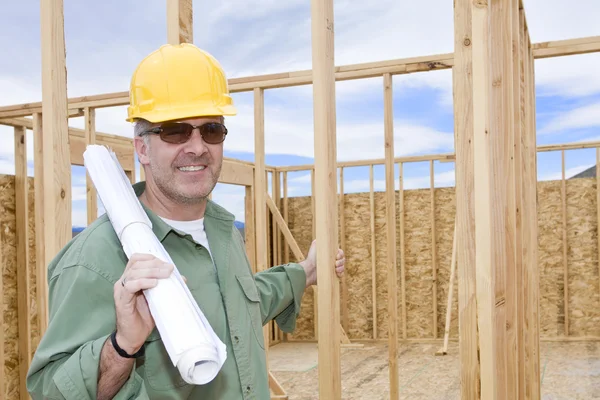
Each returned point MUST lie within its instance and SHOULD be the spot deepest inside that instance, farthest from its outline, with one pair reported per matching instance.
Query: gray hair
(141, 125)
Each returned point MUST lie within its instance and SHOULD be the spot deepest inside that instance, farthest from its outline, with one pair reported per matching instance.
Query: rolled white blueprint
(192, 344)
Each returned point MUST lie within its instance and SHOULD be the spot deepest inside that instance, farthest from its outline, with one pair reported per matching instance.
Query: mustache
(180, 162)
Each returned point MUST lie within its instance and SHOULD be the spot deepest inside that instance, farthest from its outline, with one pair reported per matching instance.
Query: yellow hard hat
(178, 81)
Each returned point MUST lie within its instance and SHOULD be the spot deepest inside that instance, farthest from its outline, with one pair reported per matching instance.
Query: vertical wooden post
(390, 211)
(496, 172)
(286, 247)
(503, 38)
(519, 328)
(249, 230)
(373, 250)
(180, 21)
(326, 190)
(40, 258)
(530, 326)
(344, 305)
(57, 164)
(90, 138)
(260, 189)
(462, 75)
(402, 248)
(433, 250)
(22, 247)
(565, 245)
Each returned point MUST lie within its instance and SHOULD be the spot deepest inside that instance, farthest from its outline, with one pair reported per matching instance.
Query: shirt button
(237, 339)
(248, 389)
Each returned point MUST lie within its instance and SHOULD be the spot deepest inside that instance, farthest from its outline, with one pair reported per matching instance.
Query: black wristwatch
(123, 353)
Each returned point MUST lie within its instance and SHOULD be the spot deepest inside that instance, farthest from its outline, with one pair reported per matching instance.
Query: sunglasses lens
(175, 133)
(213, 132)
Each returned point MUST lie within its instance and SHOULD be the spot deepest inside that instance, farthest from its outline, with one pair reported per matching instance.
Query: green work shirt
(235, 302)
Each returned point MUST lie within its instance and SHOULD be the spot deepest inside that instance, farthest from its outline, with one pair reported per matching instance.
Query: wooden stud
(486, 286)
(260, 188)
(90, 139)
(433, 249)
(390, 211)
(530, 325)
(565, 245)
(344, 301)
(40, 260)
(520, 161)
(462, 75)
(507, 37)
(180, 21)
(286, 252)
(275, 241)
(22, 249)
(373, 251)
(57, 164)
(444, 350)
(402, 249)
(325, 190)
(249, 227)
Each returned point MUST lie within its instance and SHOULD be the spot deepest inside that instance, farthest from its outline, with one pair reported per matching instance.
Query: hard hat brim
(195, 111)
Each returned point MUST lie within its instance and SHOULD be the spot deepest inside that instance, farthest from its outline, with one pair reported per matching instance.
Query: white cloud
(582, 117)
(286, 132)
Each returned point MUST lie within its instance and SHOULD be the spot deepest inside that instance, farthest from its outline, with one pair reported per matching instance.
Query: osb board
(584, 312)
(550, 258)
(9, 277)
(418, 265)
(445, 210)
(358, 266)
(582, 257)
(300, 224)
(568, 371)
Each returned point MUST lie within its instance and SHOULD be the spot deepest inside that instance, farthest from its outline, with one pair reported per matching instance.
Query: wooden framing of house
(495, 140)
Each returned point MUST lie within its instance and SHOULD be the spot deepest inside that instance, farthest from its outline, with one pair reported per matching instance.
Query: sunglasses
(180, 132)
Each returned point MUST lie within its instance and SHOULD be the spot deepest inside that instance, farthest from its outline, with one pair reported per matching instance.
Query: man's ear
(141, 148)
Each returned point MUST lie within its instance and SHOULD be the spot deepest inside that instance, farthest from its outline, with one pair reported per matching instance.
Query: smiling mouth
(192, 168)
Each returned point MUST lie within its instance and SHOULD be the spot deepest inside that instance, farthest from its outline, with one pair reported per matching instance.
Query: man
(101, 341)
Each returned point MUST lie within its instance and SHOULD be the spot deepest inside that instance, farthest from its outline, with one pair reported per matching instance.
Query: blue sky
(106, 40)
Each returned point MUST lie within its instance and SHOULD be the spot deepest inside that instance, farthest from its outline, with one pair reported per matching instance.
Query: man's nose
(196, 144)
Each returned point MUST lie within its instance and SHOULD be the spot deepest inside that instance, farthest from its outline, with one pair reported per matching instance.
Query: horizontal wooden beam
(234, 173)
(379, 161)
(122, 146)
(569, 146)
(297, 78)
(569, 47)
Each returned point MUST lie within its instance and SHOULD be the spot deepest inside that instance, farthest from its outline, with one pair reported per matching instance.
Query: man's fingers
(136, 285)
(155, 272)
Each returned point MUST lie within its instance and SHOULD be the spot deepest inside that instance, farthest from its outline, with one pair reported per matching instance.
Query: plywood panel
(582, 261)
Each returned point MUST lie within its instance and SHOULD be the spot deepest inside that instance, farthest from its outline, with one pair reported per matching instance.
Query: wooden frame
(485, 33)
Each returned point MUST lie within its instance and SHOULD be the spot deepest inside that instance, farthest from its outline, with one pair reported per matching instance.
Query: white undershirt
(194, 228)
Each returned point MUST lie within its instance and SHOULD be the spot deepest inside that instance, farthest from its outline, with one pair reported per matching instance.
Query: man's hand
(310, 264)
(134, 321)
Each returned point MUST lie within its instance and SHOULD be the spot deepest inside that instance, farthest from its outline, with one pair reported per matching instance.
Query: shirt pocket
(159, 371)
(252, 300)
